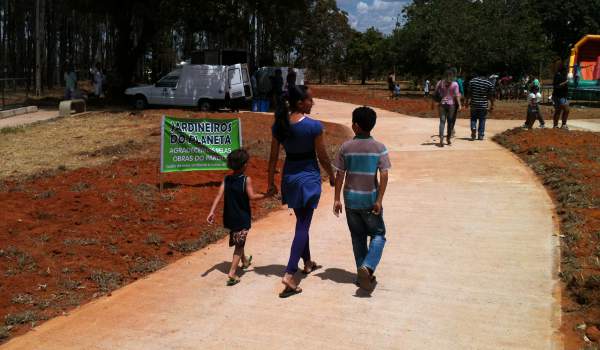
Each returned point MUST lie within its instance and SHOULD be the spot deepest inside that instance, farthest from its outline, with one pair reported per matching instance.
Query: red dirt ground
(569, 165)
(418, 106)
(71, 236)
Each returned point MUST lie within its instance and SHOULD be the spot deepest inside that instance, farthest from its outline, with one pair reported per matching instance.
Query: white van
(201, 85)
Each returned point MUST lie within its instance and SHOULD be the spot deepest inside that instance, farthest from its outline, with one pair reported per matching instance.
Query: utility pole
(38, 49)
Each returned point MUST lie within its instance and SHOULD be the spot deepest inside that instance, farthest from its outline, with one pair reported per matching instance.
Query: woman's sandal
(246, 266)
(232, 281)
(289, 291)
(314, 266)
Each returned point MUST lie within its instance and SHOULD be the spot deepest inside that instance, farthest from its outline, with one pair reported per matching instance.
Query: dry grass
(59, 143)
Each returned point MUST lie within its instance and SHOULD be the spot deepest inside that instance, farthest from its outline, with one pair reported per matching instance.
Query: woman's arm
(324, 158)
(273, 158)
(250, 190)
(211, 216)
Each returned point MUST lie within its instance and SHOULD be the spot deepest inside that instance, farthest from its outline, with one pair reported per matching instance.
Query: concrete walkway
(470, 263)
(29, 118)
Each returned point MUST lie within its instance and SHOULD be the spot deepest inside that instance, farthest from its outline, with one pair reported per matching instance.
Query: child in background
(397, 90)
(357, 163)
(237, 216)
(533, 108)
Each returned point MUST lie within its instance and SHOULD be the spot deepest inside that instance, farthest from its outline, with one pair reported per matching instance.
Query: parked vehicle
(204, 86)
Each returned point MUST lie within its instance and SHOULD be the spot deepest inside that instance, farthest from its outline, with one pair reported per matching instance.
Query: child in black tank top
(238, 191)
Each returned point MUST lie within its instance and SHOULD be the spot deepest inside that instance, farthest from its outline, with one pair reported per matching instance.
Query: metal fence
(14, 92)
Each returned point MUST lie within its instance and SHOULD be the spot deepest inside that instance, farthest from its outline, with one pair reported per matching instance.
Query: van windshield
(169, 80)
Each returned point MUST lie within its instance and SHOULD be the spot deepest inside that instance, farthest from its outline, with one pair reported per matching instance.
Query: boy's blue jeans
(363, 224)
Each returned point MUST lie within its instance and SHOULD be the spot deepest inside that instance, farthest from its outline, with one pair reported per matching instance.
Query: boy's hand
(337, 208)
(211, 218)
(377, 208)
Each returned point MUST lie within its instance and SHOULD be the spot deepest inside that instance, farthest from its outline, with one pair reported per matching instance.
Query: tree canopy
(135, 39)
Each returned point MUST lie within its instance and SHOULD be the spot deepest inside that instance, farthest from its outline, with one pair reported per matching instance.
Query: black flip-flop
(232, 281)
(288, 292)
(313, 268)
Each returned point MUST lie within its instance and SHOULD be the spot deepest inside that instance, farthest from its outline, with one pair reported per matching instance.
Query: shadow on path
(337, 275)
(223, 267)
(270, 270)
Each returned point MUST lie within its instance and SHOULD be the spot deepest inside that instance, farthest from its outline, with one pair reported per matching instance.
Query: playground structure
(584, 69)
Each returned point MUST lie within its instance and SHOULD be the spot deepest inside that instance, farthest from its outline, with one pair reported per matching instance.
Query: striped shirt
(360, 159)
(481, 91)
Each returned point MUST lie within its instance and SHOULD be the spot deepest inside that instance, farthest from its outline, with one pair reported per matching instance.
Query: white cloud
(381, 14)
(362, 7)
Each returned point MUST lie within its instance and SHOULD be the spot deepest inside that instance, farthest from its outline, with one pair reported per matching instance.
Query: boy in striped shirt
(357, 163)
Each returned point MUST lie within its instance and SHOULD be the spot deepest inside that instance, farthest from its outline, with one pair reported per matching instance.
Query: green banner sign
(198, 144)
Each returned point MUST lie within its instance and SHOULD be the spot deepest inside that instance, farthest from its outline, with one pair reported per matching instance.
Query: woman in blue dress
(302, 139)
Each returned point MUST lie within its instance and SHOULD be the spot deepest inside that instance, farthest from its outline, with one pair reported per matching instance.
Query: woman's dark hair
(281, 127)
(237, 159)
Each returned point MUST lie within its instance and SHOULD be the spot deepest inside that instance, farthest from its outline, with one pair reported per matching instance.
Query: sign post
(197, 144)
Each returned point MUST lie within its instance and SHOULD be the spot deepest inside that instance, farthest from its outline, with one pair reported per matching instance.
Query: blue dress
(301, 180)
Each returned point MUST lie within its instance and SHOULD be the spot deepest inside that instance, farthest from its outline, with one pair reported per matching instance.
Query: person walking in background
(448, 91)
(255, 96)
(238, 191)
(534, 98)
(426, 87)
(70, 78)
(302, 140)
(290, 79)
(536, 82)
(481, 97)
(277, 87)
(460, 82)
(390, 82)
(560, 96)
(357, 164)
(98, 80)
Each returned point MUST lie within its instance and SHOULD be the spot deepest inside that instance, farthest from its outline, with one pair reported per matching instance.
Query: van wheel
(140, 102)
(204, 105)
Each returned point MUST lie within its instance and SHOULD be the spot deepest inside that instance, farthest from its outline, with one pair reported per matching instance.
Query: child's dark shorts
(238, 238)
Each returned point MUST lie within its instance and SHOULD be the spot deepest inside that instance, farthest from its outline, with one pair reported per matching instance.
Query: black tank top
(236, 211)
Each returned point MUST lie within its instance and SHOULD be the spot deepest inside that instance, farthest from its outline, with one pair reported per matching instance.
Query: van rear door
(248, 93)
(236, 84)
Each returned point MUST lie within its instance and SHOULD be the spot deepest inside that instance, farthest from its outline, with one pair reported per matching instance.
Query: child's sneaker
(564, 127)
(542, 126)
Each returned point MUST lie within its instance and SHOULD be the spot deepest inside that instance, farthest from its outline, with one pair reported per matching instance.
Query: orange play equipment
(584, 68)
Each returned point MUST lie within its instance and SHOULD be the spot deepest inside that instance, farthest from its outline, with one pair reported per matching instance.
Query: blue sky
(380, 14)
